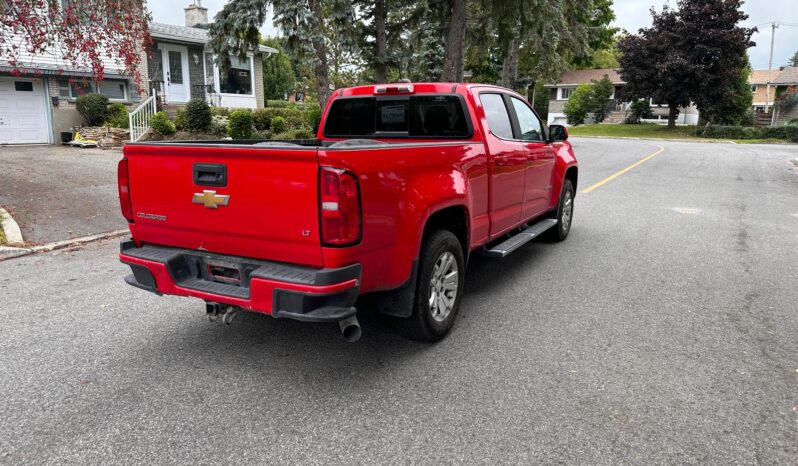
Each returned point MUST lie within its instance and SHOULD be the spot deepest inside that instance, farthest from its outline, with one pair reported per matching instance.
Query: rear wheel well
(454, 219)
(572, 174)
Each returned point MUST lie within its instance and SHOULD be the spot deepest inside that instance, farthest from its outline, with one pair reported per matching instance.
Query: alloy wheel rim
(443, 286)
(567, 210)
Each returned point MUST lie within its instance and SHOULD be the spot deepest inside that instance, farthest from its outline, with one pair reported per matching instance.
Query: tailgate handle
(210, 174)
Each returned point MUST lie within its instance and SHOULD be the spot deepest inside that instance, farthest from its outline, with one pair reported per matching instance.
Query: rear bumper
(278, 289)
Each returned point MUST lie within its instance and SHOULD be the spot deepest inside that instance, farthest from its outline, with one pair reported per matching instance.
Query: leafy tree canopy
(694, 53)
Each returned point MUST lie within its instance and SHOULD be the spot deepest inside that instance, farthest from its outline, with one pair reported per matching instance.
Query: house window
(23, 86)
(754, 88)
(238, 78)
(565, 92)
(113, 89)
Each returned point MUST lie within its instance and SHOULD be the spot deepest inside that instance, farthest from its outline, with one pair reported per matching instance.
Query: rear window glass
(434, 116)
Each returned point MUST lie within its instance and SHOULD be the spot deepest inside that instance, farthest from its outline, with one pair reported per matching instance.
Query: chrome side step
(521, 238)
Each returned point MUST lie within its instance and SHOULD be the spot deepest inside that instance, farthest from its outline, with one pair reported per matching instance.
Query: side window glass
(496, 114)
(527, 121)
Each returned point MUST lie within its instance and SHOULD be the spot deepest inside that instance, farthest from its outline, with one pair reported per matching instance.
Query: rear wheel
(564, 213)
(439, 288)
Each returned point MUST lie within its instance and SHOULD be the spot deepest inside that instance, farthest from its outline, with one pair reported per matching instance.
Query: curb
(11, 252)
(10, 228)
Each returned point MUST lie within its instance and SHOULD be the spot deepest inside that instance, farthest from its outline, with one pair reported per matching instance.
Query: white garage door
(23, 118)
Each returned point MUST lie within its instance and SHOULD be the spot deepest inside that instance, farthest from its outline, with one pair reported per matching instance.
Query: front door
(507, 164)
(540, 160)
(175, 73)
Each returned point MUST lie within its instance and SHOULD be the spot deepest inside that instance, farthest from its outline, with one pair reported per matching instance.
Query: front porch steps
(614, 118)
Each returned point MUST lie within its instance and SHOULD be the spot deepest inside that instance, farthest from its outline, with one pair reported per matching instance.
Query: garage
(23, 113)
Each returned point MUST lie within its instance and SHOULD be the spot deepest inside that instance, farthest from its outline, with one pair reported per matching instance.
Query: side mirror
(558, 133)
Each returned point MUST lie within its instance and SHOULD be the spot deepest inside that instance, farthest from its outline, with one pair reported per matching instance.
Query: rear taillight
(124, 190)
(339, 204)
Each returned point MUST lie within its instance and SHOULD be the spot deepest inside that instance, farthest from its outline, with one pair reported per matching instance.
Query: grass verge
(653, 131)
(635, 131)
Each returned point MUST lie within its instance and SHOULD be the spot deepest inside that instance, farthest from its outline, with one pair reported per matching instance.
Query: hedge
(787, 132)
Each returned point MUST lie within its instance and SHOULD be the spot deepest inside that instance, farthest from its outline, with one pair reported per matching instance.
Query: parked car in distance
(402, 184)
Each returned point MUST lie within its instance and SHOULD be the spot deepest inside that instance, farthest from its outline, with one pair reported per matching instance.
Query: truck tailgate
(179, 199)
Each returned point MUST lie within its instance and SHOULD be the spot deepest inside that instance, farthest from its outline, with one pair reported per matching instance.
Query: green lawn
(654, 132)
(634, 131)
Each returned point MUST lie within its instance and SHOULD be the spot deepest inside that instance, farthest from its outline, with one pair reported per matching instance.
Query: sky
(630, 15)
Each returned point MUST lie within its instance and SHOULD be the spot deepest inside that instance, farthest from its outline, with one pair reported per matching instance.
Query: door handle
(210, 174)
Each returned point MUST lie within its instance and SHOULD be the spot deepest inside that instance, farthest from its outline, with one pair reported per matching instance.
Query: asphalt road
(664, 330)
(58, 192)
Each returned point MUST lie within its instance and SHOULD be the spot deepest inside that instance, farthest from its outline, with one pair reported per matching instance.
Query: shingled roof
(787, 76)
(189, 35)
(576, 77)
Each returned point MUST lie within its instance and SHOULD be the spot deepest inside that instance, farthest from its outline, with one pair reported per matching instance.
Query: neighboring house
(787, 78)
(36, 106)
(561, 91)
(758, 80)
(39, 103)
(182, 67)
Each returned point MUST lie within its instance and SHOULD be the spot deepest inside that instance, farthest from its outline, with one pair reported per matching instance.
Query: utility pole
(773, 27)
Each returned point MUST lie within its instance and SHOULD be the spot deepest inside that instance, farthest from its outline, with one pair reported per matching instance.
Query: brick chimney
(196, 15)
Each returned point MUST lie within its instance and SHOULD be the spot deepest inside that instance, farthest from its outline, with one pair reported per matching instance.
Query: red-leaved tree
(74, 35)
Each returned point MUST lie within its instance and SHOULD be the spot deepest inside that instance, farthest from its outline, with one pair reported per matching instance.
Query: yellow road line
(616, 175)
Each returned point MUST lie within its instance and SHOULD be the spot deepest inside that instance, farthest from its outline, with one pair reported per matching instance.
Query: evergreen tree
(278, 73)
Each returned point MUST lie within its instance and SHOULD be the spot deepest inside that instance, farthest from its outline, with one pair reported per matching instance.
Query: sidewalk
(57, 193)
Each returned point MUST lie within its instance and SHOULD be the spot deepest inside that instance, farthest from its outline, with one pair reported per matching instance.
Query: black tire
(427, 324)
(561, 230)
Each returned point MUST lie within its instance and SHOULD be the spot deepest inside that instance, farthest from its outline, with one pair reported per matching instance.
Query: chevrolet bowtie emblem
(210, 199)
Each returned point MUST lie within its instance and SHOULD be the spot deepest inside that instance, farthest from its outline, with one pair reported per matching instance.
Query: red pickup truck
(402, 184)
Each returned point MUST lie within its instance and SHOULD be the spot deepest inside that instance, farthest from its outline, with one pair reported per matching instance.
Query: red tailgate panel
(271, 213)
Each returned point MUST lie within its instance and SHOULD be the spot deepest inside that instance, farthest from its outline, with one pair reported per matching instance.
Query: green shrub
(789, 133)
(161, 124)
(218, 126)
(278, 125)
(93, 108)
(640, 109)
(577, 106)
(198, 115)
(261, 120)
(313, 117)
(294, 117)
(794, 121)
(220, 111)
(300, 133)
(180, 119)
(240, 124)
(278, 103)
(600, 93)
(117, 116)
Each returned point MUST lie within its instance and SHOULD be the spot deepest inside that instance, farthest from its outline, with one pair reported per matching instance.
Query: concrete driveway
(663, 331)
(58, 192)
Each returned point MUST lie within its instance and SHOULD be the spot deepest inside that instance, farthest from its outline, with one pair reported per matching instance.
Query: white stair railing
(139, 118)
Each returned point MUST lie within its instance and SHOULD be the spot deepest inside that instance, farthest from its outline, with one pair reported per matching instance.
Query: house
(39, 104)
(37, 101)
(758, 80)
(786, 80)
(780, 79)
(561, 91)
(181, 66)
